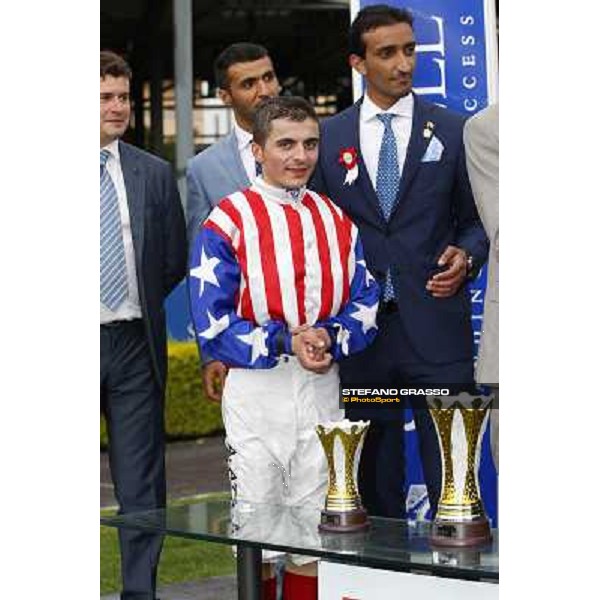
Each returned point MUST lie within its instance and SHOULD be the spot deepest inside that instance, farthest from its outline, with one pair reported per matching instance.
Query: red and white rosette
(349, 159)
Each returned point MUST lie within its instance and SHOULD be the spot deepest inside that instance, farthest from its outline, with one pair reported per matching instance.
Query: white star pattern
(368, 276)
(205, 271)
(342, 337)
(257, 339)
(215, 327)
(366, 315)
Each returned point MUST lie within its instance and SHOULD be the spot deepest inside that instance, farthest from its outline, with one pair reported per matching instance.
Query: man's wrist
(472, 269)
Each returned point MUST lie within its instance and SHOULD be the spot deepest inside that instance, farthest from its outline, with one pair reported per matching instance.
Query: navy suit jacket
(434, 208)
(159, 241)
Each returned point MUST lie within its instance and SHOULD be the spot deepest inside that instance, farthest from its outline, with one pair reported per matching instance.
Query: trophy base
(460, 535)
(456, 557)
(344, 522)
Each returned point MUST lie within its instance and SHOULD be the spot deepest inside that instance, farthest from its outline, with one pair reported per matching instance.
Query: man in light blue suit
(245, 75)
(395, 164)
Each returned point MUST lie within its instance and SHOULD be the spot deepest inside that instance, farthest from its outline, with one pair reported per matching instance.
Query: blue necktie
(388, 182)
(113, 271)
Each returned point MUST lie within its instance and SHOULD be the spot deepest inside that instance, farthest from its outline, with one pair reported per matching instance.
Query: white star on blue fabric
(257, 339)
(215, 326)
(368, 276)
(366, 315)
(342, 337)
(205, 271)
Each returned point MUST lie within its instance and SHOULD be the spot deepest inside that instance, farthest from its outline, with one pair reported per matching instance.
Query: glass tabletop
(390, 544)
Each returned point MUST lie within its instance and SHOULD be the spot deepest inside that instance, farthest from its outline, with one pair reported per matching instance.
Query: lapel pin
(428, 131)
(349, 159)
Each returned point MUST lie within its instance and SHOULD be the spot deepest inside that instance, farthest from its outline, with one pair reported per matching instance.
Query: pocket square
(434, 150)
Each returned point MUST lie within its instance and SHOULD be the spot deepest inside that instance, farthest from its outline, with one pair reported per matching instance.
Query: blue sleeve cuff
(282, 342)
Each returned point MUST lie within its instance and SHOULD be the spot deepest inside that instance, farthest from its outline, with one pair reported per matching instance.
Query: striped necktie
(388, 182)
(113, 271)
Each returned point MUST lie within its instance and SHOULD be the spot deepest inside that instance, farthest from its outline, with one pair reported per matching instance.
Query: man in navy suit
(245, 75)
(142, 258)
(395, 163)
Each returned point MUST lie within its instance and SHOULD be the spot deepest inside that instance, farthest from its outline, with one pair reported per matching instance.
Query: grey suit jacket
(211, 175)
(482, 151)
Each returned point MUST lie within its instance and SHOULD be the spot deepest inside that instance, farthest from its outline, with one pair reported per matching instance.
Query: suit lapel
(238, 173)
(363, 181)
(134, 186)
(416, 148)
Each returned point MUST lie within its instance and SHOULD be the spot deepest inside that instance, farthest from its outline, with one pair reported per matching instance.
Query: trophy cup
(342, 442)
(460, 423)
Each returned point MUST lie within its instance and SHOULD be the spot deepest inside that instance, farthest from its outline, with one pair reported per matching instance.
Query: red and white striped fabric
(296, 257)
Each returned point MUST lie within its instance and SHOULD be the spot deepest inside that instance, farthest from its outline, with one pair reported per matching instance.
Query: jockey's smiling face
(290, 152)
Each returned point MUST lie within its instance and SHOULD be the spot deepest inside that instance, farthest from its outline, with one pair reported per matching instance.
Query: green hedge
(188, 414)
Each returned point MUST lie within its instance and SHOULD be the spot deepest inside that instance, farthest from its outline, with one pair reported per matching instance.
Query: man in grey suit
(142, 258)
(481, 138)
(245, 75)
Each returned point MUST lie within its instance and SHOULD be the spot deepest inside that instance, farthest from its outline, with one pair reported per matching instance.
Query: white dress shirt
(130, 309)
(244, 140)
(371, 132)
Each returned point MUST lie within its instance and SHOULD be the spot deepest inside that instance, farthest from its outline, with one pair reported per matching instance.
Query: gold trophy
(460, 423)
(342, 442)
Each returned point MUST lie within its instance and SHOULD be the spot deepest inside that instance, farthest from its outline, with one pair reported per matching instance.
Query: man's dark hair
(372, 17)
(293, 108)
(114, 65)
(236, 53)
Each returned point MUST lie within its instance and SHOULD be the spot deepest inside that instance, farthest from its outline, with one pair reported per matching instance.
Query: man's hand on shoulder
(213, 379)
(448, 282)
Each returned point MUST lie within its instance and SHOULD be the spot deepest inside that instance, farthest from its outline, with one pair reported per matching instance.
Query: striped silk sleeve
(355, 327)
(214, 287)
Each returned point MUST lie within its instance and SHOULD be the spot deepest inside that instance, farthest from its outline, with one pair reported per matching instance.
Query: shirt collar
(278, 194)
(113, 148)
(403, 108)
(244, 138)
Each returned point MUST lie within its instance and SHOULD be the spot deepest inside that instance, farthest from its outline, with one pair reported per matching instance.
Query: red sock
(300, 587)
(269, 589)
